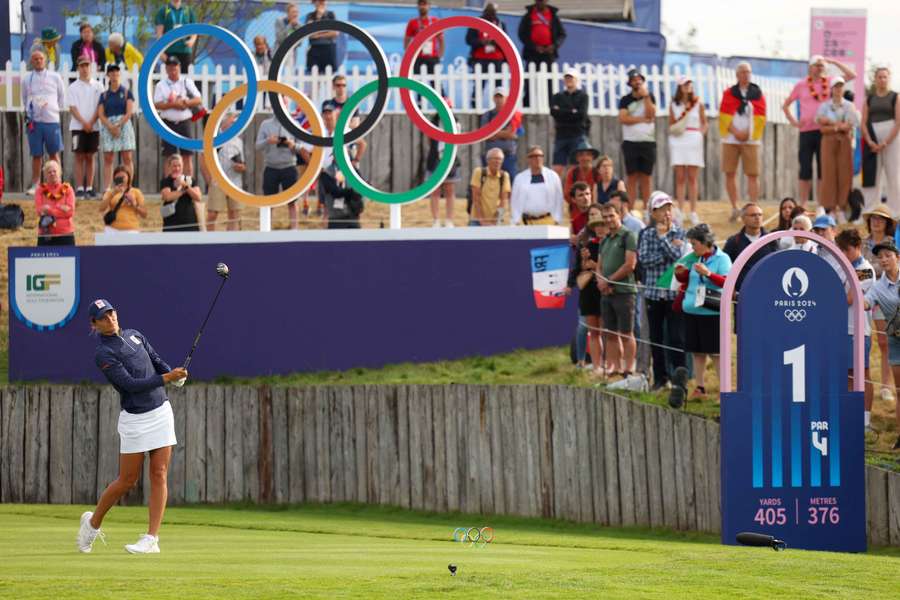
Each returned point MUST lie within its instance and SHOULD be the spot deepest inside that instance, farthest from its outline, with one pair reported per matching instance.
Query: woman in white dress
(687, 127)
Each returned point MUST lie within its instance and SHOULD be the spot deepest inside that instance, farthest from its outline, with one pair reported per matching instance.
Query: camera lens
(119, 180)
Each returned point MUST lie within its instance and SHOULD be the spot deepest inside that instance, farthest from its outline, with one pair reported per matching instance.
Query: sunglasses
(340, 85)
(535, 156)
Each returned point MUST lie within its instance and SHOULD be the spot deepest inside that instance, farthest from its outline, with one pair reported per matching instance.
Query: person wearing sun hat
(47, 43)
(837, 120)
(583, 157)
(881, 226)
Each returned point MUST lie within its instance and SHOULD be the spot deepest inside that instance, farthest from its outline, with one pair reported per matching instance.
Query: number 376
(822, 515)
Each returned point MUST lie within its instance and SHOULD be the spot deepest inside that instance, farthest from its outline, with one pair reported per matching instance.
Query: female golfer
(146, 423)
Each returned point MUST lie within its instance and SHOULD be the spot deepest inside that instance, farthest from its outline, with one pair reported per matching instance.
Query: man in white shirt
(174, 97)
(537, 196)
(43, 95)
(84, 96)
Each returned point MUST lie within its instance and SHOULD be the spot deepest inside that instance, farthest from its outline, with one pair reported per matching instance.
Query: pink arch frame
(725, 349)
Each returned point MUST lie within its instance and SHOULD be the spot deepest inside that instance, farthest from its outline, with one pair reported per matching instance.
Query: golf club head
(222, 270)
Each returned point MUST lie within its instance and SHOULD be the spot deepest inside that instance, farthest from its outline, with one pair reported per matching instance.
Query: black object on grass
(452, 569)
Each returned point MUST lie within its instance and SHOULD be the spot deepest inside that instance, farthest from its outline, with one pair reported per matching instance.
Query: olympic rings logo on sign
(795, 316)
(340, 138)
(473, 535)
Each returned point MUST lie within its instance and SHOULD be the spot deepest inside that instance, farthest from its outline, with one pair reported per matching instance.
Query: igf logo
(41, 282)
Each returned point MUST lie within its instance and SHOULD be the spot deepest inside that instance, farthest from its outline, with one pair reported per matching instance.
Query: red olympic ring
(515, 69)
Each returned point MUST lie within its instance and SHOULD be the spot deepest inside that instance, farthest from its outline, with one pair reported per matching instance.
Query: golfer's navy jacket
(134, 368)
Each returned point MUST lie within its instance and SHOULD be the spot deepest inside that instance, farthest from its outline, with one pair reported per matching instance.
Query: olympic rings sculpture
(448, 133)
(473, 535)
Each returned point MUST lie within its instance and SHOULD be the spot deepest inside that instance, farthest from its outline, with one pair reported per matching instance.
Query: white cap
(658, 200)
(500, 92)
(837, 80)
(815, 58)
(570, 72)
(683, 80)
(117, 38)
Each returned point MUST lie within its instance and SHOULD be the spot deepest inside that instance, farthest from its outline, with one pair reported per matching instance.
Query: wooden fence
(556, 452)
(395, 159)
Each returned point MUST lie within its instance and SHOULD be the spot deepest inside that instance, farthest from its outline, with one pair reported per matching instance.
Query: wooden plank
(266, 451)
(359, 424)
(323, 449)
(12, 445)
(595, 447)
(714, 496)
(13, 160)
(441, 469)
(387, 446)
(176, 475)
(335, 447)
(147, 160)
(624, 453)
(545, 435)
(496, 421)
(611, 460)
(426, 432)
(671, 514)
(403, 455)
(639, 464)
(702, 472)
(37, 442)
(372, 467)
(475, 452)
(108, 444)
(84, 440)
(451, 438)
(194, 442)
(524, 476)
(215, 444)
(345, 402)
(654, 478)
(583, 458)
(893, 480)
(247, 403)
(416, 400)
(60, 484)
(310, 446)
(512, 459)
(295, 405)
(564, 452)
(234, 445)
(684, 480)
(459, 413)
(877, 506)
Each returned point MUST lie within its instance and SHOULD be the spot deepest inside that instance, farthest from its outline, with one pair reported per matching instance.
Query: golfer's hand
(175, 374)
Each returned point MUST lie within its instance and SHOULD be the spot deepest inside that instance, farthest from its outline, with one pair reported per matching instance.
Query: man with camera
(280, 151)
(231, 157)
(178, 101)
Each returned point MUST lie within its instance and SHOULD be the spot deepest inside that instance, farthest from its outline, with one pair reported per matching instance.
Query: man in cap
(885, 293)
(174, 97)
(569, 109)
(84, 98)
(637, 114)
(43, 95)
(537, 197)
(506, 138)
(810, 92)
(541, 33)
(660, 245)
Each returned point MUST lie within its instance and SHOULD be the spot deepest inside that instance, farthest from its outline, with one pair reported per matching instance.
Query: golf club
(221, 271)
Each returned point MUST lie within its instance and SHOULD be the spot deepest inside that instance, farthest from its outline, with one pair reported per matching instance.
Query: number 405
(771, 516)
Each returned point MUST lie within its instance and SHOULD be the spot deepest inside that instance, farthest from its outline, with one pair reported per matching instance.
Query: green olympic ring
(341, 151)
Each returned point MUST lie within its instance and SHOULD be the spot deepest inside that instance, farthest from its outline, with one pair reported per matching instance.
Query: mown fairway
(350, 551)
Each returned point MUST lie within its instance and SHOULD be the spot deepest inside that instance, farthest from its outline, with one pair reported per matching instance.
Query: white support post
(265, 218)
(395, 216)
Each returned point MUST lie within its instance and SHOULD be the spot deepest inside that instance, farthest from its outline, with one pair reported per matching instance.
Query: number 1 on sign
(796, 358)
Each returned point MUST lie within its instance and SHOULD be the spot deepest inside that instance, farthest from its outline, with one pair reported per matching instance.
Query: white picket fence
(605, 84)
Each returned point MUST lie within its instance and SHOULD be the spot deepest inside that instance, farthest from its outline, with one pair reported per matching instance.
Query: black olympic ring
(795, 316)
(381, 65)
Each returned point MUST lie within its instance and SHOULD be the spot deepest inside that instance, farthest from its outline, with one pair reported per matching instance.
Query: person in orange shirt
(54, 202)
(124, 203)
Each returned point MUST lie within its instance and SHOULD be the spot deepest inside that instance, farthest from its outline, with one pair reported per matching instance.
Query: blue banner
(792, 436)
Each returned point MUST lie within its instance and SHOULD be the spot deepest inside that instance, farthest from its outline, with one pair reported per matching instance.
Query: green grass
(369, 552)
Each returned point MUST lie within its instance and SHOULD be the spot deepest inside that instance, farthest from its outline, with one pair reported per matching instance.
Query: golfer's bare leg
(130, 466)
(159, 492)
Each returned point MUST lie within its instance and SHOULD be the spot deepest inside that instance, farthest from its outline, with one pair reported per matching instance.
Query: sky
(761, 27)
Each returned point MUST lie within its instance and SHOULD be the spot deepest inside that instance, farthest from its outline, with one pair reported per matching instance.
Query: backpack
(11, 216)
(481, 186)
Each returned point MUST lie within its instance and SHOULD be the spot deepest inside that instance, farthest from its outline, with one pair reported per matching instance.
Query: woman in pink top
(811, 92)
(54, 202)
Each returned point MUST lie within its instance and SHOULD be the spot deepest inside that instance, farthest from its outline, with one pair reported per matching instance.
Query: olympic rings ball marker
(512, 58)
(420, 191)
(211, 157)
(381, 67)
(145, 93)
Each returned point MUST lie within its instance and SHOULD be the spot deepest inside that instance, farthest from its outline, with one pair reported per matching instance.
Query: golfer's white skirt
(147, 431)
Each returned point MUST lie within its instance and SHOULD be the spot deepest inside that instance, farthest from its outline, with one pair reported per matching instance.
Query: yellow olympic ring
(211, 156)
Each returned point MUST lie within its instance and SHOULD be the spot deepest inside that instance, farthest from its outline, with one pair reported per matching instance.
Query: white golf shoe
(87, 534)
(146, 544)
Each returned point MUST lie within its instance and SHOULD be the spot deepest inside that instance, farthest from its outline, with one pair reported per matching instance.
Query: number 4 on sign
(797, 359)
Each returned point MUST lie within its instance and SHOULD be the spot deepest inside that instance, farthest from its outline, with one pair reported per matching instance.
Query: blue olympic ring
(145, 93)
